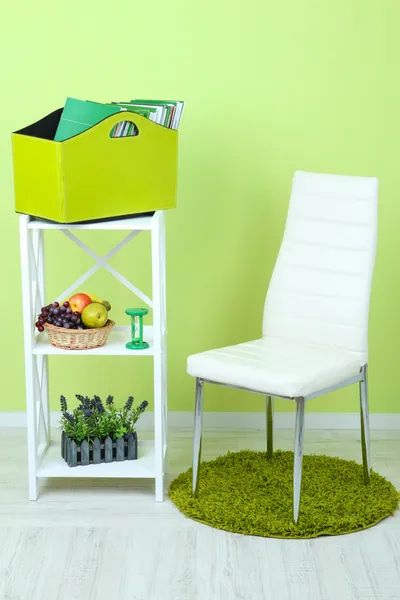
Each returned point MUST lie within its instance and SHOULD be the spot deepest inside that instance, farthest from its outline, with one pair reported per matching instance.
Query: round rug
(245, 492)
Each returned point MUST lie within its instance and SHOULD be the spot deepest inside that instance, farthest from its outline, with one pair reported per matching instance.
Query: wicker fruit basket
(78, 339)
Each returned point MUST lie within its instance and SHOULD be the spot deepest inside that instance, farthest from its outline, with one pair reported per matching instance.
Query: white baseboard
(241, 420)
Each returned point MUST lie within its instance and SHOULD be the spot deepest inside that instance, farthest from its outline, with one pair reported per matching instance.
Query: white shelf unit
(44, 455)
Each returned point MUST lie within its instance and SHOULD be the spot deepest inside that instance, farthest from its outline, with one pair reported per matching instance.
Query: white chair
(315, 327)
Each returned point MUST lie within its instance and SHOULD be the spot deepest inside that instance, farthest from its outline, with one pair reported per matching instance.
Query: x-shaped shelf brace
(102, 262)
(42, 424)
(36, 258)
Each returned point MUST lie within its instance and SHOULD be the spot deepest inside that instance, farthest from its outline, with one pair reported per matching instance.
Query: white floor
(95, 540)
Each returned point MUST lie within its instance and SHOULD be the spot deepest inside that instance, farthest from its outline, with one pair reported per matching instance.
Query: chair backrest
(320, 288)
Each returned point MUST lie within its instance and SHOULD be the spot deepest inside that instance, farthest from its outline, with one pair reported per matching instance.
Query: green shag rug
(245, 492)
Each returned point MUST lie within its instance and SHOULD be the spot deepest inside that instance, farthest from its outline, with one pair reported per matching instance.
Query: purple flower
(63, 403)
(129, 403)
(143, 406)
(98, 405)
(110, 401)
(69, 417)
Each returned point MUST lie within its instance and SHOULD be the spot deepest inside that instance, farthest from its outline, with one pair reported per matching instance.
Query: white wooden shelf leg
(165, 407)
(158, 358)
(45, 368)
(28, 306)
(164, 340)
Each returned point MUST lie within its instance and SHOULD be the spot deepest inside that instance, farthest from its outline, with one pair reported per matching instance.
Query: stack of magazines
(79, 115)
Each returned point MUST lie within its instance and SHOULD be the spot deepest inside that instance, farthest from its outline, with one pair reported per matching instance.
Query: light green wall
(271, 87)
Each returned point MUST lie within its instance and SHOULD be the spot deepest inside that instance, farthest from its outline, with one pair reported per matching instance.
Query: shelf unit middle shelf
(115, 345)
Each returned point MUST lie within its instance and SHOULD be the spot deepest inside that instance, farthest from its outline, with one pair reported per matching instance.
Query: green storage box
(93, 176)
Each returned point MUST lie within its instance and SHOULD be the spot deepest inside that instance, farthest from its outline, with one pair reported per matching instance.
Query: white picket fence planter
(97, 451)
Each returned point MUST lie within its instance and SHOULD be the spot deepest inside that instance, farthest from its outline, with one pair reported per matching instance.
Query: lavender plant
(91, 419)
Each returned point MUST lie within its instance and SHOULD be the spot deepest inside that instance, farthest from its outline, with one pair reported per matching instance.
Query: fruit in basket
(100, 301)
(59, 316)
(94, 315)
(68, 314)
(93, 299)
(78, 302)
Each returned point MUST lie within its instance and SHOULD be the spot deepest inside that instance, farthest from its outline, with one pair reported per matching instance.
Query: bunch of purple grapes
(60, 316)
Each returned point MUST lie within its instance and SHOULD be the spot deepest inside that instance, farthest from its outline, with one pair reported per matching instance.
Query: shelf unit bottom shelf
(53, 465)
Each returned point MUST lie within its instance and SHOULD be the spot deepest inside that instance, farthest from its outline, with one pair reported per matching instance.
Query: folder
(80, 115)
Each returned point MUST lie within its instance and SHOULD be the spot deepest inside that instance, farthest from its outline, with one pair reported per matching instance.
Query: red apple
(79, 301)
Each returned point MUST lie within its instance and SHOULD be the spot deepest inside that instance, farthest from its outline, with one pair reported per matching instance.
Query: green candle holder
(136, 315)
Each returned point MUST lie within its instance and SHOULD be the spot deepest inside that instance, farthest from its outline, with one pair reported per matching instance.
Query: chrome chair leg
(298, 456)
(365, 435)
(269, 409)
(197, 433)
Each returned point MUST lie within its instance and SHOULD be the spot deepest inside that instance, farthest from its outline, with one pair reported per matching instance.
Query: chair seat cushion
(277, 367)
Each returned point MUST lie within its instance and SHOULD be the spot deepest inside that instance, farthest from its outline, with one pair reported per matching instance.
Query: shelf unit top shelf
(138, 223)
(115, 345)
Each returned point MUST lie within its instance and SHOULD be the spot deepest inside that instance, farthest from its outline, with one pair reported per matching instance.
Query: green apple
(94, 315)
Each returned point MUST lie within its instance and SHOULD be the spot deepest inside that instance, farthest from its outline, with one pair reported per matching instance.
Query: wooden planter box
(96, 452)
